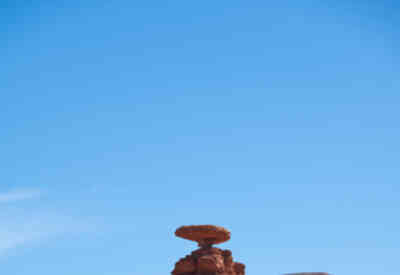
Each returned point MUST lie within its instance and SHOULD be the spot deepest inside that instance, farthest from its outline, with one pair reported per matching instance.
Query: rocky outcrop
(207, 260)
(204, 234)
(210, 261)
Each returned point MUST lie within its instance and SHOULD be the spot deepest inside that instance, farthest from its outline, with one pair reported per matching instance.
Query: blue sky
(121, 121)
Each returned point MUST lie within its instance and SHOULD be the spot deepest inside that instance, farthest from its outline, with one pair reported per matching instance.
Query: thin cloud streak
(18, 195)
(34, 230)
(19, 228)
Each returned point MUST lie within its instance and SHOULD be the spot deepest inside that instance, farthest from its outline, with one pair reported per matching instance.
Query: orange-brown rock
(210, 263)
(186, 265)
(207, 260)
(239, 268)
(204, 235)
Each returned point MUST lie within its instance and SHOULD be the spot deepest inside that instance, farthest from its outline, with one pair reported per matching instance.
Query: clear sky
(122, 120)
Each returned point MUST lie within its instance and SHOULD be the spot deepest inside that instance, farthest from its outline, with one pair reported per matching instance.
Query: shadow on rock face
(207, 260)
(211, 261)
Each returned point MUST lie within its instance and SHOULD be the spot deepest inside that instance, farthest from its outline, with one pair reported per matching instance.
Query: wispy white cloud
(19, 195)
(35, 229)
(20, 228)
(13, 239)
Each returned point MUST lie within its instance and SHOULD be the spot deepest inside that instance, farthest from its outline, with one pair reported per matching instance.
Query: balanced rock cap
(204, 234)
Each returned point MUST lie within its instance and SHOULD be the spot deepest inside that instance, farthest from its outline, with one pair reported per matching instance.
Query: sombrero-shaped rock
(204, 234)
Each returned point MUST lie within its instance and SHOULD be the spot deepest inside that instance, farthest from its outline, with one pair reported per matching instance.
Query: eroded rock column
(207, 260)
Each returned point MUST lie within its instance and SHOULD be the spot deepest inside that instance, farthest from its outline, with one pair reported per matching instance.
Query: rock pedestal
(207, 260)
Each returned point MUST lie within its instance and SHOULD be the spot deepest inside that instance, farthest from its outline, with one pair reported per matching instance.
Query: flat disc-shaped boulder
(204, 234)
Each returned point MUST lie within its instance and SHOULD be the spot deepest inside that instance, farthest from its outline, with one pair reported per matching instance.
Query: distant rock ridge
(207, 260)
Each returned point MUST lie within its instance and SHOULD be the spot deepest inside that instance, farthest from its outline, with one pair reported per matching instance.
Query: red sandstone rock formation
(207, 260)
(204, 234)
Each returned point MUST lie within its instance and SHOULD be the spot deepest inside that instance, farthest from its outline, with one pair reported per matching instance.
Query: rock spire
(207, 260)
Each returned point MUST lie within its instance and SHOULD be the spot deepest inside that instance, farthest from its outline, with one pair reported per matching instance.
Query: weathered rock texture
(207, 260)
(210, 261)
(204, 234)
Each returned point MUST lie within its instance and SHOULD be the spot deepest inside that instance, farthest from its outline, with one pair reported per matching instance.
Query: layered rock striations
(207, 260)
